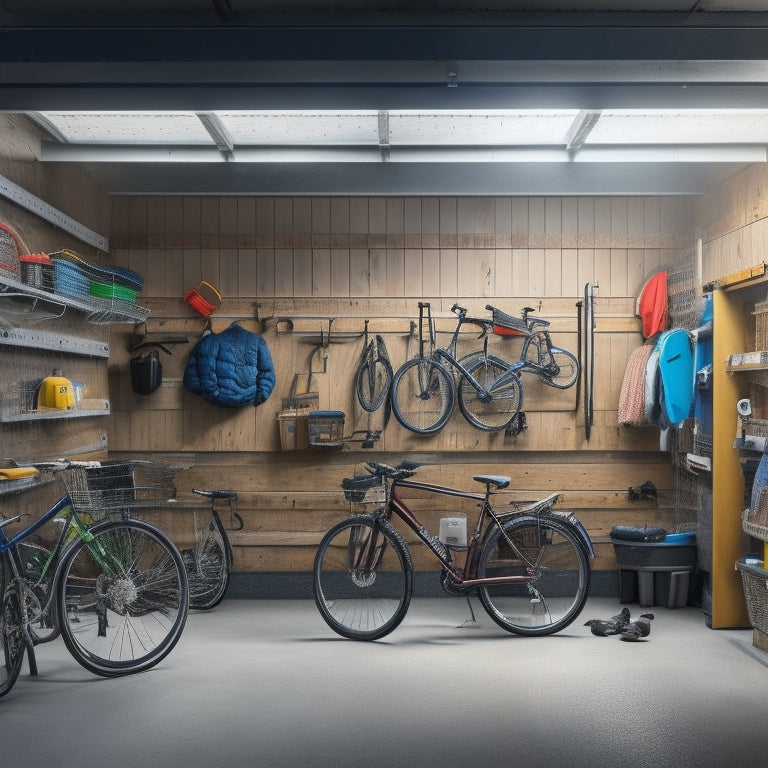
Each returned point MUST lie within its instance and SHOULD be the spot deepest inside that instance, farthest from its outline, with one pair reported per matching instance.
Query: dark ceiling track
(224, 10)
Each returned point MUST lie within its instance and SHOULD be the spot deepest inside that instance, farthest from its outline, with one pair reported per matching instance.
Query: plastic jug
(453, 531)
(56, 392)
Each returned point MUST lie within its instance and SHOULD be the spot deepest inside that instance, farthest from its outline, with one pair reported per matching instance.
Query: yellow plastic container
(56, 392)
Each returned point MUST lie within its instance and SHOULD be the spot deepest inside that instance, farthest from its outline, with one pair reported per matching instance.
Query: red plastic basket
(204, 299)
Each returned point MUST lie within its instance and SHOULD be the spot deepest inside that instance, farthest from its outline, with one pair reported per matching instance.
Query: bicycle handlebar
(406, 469)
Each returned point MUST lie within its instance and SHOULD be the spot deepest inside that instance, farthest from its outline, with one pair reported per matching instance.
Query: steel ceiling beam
(718, 60)
(409, 179)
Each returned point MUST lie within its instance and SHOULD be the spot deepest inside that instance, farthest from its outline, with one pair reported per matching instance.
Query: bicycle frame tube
(223, 533)
(397, 506)
(466, 579)
(56, 509)
(449, 352)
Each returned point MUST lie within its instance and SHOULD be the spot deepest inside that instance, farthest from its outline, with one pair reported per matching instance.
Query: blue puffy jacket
(231, 368)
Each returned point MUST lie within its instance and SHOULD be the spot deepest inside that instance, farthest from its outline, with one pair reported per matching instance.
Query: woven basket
(761, 325)
(9, 251)
(755, 521)
(755, 582)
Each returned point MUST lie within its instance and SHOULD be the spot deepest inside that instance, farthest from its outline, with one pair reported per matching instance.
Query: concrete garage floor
(263, 683)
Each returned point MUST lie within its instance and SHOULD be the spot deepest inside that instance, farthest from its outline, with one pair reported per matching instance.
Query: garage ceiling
(277, 97)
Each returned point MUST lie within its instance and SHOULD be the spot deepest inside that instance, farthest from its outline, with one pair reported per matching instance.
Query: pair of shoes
(637, 629)
(621, 624)
(612, 626)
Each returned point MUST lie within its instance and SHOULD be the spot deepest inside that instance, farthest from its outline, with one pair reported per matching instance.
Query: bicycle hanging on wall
(424, 389)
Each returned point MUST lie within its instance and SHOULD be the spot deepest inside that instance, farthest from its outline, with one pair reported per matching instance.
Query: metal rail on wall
(36, 205)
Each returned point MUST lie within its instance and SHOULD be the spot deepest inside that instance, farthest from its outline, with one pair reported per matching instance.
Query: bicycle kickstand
(472, 621)
(31, 658)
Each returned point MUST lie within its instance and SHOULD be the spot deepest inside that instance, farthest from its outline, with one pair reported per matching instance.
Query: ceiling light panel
(316, 127)
(488, 128)
(683, 127)
(129, 127)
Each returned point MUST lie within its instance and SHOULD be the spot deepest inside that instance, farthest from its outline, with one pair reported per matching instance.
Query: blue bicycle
(116, 590)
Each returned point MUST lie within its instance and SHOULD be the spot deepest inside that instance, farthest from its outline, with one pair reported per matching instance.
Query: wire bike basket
(101, 488)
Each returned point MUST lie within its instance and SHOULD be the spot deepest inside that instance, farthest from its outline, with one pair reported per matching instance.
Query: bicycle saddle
(216, 494)
(497, 481)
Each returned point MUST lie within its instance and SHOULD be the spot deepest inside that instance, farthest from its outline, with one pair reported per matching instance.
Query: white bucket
(453, 531)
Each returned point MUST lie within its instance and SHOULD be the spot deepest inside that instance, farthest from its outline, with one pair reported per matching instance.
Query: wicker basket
(761, 325)
(755, 521)
(755, 582)
(9, 252)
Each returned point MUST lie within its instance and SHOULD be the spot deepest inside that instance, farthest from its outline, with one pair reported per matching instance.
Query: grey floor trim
(292, 586)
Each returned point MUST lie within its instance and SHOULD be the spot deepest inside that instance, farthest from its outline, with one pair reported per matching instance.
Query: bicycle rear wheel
(122, 598)
(500, 398)
(373, 378)
(362, 578)
(207, 571)
(561, 368)
(12, 634)
(422, 395)
(550, 551)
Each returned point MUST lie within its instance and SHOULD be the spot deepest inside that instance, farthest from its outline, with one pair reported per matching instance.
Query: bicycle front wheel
(499, 397)
(362, 578)
(422, 395)
(12, 633)
(561, 369)
(551, 553)
(208, 572)
(122, 598)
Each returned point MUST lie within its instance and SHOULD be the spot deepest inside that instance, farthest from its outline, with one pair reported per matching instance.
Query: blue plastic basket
(108, 274)
(71, 280)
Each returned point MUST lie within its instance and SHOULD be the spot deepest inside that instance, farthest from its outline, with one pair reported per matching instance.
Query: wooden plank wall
(732, 222)
(291, 268)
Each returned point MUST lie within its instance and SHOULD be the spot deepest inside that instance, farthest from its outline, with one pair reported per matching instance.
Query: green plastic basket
(114, 291)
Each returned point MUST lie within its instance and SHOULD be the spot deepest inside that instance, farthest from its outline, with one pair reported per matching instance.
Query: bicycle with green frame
(115, 589)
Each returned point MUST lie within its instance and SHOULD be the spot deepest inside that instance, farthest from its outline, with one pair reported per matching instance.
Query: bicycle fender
(565, 517)
(385, 525)
(578, 527)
